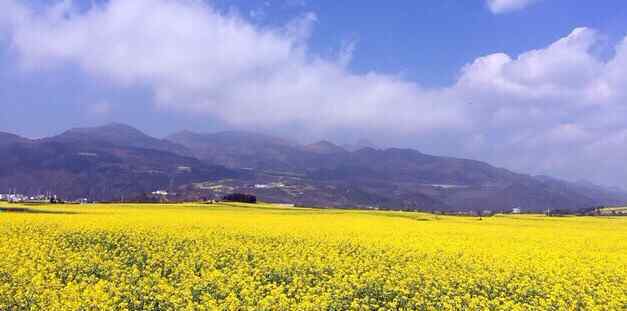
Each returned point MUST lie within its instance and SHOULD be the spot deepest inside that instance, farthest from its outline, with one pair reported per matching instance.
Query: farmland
(233, 257)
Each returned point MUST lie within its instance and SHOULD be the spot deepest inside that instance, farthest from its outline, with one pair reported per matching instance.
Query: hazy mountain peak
(366, 143)
(10, 135)
(324, 147)
(120, 127)
(120, 134)
(360, 144)
(110, 128)
(394, 176)
(232, 138)
(8, 138)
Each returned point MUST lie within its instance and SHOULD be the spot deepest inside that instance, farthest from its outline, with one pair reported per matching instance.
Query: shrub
(240, 197)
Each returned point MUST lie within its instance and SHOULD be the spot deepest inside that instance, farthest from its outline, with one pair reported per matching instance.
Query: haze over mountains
(117, 161)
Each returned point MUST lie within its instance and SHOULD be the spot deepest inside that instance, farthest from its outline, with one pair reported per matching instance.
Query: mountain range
(117, 162)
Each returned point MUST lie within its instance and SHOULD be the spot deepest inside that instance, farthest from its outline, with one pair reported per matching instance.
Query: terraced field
(265, 257)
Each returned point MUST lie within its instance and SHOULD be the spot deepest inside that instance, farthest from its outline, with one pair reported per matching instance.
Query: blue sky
(532, 85)
(429, 41)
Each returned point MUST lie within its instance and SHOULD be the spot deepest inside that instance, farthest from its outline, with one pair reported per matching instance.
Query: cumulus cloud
(505, 6)
(565, 71)
(197, 59)
(552, 107)
(557, 109)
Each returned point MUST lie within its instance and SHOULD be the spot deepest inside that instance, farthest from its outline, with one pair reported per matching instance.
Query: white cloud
(545, 110)
(552, 107)
(505, 6)
(197, 59)
(565, 70)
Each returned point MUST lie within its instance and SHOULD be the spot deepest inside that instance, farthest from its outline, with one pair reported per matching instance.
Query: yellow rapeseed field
(238, 257)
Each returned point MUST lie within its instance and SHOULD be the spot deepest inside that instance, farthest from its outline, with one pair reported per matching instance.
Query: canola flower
(242, 257)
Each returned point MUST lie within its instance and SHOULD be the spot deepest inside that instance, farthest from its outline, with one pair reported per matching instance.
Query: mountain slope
(8, 138)
(598, 194)
(92, 163)
(393, 178)
(116, 160)
(324, 147)
(117, 134)
(360, 144)
(238, 149)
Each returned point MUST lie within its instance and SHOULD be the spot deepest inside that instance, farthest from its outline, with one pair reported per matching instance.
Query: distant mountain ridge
(111, 162)
(324, 147)
(237, 149)
(117, 161)
(8, 138)
(118, 134)
(361, 144)
(393, 177)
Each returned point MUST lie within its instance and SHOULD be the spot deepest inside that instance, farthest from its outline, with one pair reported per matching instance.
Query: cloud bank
(197, 59)
(505, 6)
(557, 109)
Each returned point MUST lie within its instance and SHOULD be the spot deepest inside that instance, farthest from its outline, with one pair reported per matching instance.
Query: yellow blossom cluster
(265, 257)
